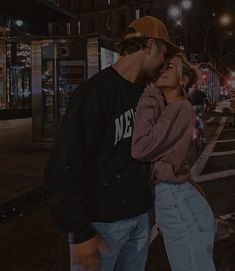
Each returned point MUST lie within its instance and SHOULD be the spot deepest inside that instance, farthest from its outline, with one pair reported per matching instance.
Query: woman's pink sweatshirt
(162, 134)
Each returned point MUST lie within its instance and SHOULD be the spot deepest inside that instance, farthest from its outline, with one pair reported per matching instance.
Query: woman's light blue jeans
(187, 224)
(128, 242)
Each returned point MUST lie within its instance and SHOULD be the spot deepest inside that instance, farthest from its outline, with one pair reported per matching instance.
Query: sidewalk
(21, 161)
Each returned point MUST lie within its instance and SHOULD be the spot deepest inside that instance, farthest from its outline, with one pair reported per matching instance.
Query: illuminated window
(137, 13)
(107, 22)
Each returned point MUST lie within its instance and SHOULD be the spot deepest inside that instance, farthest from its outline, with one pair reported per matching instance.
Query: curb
(28, 202)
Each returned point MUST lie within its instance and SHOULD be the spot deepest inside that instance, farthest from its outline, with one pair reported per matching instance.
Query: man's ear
(150, 44)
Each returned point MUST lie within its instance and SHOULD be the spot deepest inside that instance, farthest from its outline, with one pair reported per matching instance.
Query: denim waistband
(172, 182)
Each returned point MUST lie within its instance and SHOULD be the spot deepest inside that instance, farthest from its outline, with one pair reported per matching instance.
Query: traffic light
(204, 76)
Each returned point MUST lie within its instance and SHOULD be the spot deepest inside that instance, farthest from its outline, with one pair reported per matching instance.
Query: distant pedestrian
(226, 94)
(162, 134)
(97, 192)
(198, 99)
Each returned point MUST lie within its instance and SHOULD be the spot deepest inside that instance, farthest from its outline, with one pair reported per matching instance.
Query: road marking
(224, 230)
(227, 216)
(215, 175)
(211, 119)
(201, 161)
(221, 153)
(225, 140)
(229, 130)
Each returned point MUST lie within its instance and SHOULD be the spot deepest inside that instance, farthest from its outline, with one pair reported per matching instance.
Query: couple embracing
(126, 132)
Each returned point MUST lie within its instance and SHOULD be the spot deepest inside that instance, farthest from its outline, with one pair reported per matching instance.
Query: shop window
(19, 95)
(122, 21)
(62, 29)
(107, 22)
(137, 13)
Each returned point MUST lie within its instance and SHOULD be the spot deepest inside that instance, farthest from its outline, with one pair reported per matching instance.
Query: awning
(36, 14)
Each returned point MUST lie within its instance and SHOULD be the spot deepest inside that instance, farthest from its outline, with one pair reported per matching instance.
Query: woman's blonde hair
(186, 71)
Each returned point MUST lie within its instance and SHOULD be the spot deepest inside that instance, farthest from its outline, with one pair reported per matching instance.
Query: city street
(74, 69)
(29, 240)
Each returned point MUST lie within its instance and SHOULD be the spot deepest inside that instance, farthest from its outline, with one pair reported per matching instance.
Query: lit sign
(107, 57)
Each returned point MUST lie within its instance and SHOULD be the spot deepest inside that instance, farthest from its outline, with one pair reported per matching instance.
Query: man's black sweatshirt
(90, 175)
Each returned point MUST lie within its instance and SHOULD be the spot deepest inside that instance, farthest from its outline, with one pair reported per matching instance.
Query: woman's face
(169, 75)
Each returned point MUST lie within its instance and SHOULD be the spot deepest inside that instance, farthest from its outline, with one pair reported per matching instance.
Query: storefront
(20, 21)
(38, 75)
(100, 54)
(15, 75)
(39, 71)
(58, 68)
(3, 69)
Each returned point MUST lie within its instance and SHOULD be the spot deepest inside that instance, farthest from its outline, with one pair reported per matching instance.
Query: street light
(179, 23)
(176, 12)
(19, 23)
(186, 4)
(224, 20)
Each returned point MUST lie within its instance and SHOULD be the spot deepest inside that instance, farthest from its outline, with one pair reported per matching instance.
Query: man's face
(154, 59)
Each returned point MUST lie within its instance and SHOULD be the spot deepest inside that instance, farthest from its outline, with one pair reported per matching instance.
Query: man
(96, 191)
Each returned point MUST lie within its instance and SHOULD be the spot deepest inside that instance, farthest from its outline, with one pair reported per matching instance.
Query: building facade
(107, 17)
(16, 34)
(111, 17)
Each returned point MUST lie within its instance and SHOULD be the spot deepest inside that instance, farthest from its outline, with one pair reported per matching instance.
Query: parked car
(226, 107)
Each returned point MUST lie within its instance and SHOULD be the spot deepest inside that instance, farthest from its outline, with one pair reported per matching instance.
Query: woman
(162, 134)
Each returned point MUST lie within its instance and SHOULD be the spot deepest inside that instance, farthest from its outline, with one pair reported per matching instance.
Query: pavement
(21, 161)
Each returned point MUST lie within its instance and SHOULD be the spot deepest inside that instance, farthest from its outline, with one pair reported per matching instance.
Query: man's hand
(86, 255)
